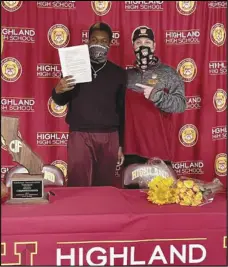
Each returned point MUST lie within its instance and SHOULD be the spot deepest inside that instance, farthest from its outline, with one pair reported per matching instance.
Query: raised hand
(65, 84)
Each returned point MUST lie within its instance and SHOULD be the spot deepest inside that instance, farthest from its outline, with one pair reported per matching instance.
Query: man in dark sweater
(95, 115)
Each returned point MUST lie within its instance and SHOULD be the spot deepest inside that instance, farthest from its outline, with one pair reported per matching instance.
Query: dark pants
(92, 158)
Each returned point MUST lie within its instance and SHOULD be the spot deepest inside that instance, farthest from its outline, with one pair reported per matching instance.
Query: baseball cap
(142, 31)
(100, 26)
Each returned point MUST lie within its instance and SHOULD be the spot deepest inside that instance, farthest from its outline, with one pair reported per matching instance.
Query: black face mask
(145, 57)
(98, 53)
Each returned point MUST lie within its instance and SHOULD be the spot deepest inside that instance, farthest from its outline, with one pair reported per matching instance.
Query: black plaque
(27, 189)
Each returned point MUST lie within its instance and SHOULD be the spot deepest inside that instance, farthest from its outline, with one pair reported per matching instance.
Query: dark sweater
(97, 106)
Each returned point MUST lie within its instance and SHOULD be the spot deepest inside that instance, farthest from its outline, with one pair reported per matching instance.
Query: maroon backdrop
(190, 36)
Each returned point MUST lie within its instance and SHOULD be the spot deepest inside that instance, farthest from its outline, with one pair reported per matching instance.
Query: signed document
(75, 61)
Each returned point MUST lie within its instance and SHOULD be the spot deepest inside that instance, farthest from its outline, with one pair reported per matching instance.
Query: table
(110, 226)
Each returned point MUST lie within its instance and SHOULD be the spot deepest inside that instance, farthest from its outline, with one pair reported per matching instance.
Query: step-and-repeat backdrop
(190, 36)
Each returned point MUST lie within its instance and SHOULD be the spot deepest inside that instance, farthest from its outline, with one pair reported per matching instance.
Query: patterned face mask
(145, 57)
(98, 53)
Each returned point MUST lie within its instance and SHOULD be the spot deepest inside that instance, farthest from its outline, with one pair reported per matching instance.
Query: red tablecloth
(111, 226)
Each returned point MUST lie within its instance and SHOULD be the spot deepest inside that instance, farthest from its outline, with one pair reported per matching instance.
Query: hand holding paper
(75, 62)
(65, 84)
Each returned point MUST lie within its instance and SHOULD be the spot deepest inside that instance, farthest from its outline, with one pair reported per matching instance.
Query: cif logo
(221, 164)
(15, 146)
(11, 69)
(101, 8)
(4, 146)
(188, 135)
(187, 69)
(218, 34)
(220, 100)
(186, 8)
(56, 110)
(58, 36)
(11, 6)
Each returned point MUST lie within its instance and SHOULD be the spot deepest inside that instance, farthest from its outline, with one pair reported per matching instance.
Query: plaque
(27, 189)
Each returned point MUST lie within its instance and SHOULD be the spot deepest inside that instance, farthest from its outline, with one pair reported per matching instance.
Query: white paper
(75, 61)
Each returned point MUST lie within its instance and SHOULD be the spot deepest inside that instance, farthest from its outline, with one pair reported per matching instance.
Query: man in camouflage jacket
(154, 92)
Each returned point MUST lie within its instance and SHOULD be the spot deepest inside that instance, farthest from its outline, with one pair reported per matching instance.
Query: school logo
(101, 8)
(56, 4)
(58, 36)
(19, 34)
(17, 104)
(187, 69)
(11, 69)
(153, 81)
(218, 34)
(182, 37)
(186, 8)
(188, 135)
(55, 110)
(51, 138)
(3, 142)
(193, 102)
(220, 100)
(48, 71)
(62, 165)
(144, 5)
(217, 4)
(217, 67)
(221, 164)
(11, 6)
(219, 133)
(188, 167)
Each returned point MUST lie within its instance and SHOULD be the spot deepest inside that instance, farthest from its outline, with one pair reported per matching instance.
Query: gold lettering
(29, 249)
(133, 174)
(225, 242)
(145, 171)
(49, 176)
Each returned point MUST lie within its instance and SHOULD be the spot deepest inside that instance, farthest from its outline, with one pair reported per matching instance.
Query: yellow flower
(172, 199)
(179, 184)
(183, 189)
(181, 195)
(168, 181)
(189, 192)
(159, 196)
(189, 183)
(154, 183)
(196, 188)
(199, 196)
(160, 191)
(178, 199)
(187, 200)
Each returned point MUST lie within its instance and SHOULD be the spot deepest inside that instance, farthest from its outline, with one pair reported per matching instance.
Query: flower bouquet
(185, 191)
